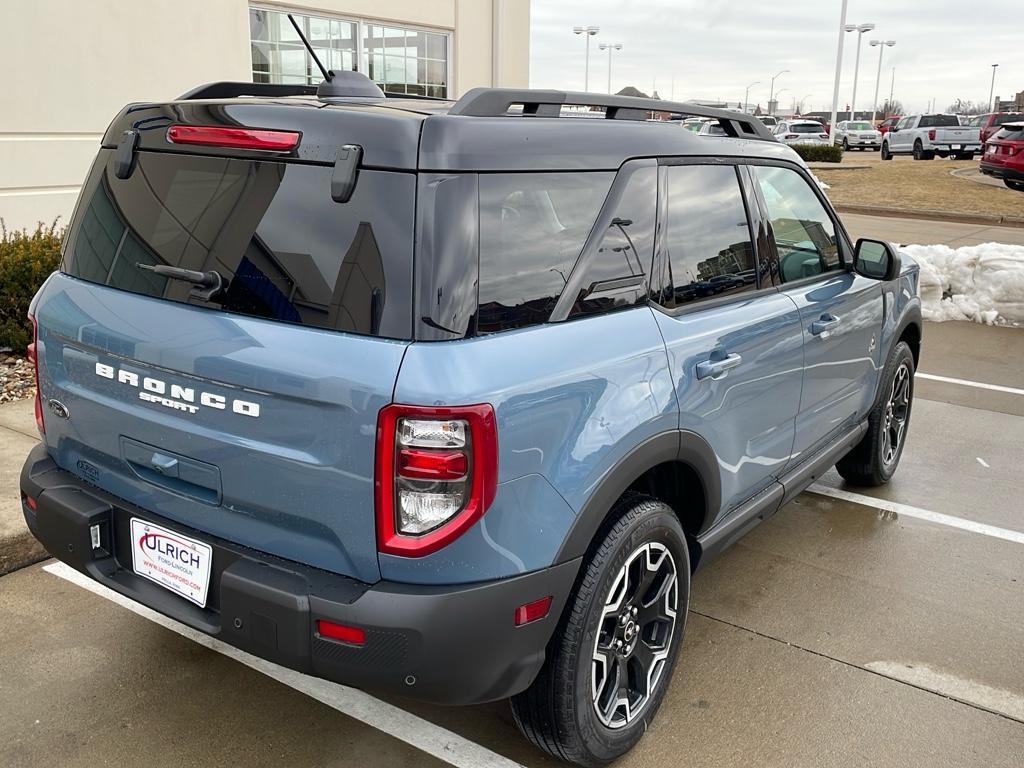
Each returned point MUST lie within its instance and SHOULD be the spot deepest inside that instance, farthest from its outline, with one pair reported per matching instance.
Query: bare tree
(967, 107)
(889, 108)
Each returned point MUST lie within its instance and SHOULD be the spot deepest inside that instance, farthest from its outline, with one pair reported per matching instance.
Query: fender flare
(677, 445)
(911, 316)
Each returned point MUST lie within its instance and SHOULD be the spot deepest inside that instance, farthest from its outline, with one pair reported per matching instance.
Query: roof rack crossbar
(495, 102)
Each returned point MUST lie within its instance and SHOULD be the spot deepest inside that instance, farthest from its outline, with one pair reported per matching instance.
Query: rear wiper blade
(210, 283)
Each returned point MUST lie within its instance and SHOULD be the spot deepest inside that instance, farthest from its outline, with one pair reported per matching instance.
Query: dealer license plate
(176, 562)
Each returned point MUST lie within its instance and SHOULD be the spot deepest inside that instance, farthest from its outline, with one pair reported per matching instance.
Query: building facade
(70, 66)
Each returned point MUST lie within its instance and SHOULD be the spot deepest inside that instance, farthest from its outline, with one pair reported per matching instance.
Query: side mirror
(894, 129)
(876, 260)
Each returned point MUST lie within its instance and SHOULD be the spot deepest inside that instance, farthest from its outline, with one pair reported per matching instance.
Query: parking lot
(840, 632)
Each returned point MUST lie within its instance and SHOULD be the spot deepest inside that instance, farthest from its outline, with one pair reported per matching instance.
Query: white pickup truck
(925, 136)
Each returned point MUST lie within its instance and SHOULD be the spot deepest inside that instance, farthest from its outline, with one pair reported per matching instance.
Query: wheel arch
(677, 467)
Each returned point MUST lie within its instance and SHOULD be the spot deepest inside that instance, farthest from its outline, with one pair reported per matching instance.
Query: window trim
(361, 23)
(659, 252)
(845, 247)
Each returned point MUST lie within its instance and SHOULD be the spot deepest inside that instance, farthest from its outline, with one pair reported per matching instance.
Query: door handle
(824, 327)
(717, 367)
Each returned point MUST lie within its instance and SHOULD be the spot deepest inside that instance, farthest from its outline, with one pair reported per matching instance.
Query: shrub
(26, 260)
(819, 153)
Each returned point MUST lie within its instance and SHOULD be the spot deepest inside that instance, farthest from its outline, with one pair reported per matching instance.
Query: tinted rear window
(1012, 132)
(532, 229)
(939, 121)
(806, 128)
(286, 250)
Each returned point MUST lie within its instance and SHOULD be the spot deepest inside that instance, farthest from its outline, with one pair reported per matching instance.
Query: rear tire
(576, 710)
(875, 458)
(1014, 185)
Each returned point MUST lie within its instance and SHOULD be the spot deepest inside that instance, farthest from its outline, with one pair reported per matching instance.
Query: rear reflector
(534, 611)
(234, 138)
(340, 632)
(31, 503)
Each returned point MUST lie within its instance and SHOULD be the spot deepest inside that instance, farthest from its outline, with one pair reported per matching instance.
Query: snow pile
(982, 283)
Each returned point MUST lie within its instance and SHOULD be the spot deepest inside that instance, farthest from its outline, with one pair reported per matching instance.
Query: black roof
(487, 130)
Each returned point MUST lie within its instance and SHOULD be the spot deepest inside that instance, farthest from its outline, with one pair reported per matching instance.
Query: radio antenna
(328, 75)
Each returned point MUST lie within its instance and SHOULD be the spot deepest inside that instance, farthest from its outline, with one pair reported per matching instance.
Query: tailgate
(250, 415)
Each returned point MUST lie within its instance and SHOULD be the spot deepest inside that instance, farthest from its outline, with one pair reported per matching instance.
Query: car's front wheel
(886, 154)
(874, 459)
(612, 656)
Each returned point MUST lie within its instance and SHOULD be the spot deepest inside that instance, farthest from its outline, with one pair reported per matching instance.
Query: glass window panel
(437, 46)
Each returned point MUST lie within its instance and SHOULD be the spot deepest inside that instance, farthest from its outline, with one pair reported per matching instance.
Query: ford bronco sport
(434, 398)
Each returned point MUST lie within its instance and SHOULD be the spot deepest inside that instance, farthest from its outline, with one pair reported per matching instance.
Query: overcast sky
(711, 49)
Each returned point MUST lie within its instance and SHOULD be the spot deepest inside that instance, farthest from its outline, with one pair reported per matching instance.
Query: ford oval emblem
(58, 409)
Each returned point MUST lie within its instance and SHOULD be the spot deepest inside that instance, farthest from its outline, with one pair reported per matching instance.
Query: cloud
(713, 48)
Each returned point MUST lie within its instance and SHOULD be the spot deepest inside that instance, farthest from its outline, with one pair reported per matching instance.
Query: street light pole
(892, 86)
(589, 32)
(746, 94)
(860, 29)
(839, 68)
(771, 92)
(878, 79)
(610, 47)
(992, 89)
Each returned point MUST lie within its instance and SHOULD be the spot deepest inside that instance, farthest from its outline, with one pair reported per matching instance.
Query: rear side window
(284, 248)
(706, 238)
(532, 229)
(805, 236)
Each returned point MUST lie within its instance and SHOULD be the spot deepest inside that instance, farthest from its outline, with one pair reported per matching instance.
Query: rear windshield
(939, 121)
(1008, 118)
(1014, 132)
(806, 128)
(285, 250)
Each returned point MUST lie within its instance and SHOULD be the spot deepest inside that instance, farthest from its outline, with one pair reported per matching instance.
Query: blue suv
(451, 399)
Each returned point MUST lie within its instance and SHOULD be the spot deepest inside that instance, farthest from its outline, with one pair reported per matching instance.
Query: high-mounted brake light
(436, 474)
(233, 138)
(32, 353)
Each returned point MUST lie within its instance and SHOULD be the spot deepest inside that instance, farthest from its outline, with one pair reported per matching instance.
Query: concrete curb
(19, 551)
(944, 216)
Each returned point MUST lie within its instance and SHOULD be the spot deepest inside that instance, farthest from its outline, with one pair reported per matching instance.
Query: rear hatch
(251, 415)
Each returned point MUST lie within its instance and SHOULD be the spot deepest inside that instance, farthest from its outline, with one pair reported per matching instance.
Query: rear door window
(706, 238)
(532, 229)
(284, 248)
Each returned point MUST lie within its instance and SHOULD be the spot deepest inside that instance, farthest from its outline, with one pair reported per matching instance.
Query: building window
(398, 59)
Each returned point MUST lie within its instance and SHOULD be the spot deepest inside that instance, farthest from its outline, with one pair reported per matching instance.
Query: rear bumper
(447, 645)
(1001, 171)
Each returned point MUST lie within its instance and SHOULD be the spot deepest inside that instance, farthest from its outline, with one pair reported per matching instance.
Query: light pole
(589, 32)
(892, 86)
(839, 69)
(878, 79)
(860, 29)
(992, 89)
(610, 47)
(771, 92)
(746, 94)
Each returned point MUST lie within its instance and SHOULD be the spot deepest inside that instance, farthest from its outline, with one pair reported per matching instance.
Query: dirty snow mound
(982, 283)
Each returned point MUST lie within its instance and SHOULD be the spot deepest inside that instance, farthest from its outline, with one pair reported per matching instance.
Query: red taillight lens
(340, 632)
(33, 357)
(534, 611)
(31, 503)
(931, 135)
(436, 474)
(233, 138)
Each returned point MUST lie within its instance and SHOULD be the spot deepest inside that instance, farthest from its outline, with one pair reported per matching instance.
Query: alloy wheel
(634, 636)
(897, 412)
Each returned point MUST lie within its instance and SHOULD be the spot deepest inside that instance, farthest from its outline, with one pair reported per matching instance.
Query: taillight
(436, 474)
(931, 135)
(823, 135)
(233, 138)
(33, 357)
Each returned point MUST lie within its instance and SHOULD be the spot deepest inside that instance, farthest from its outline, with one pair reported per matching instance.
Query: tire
(886, 154)
(846, 145)
(559, 712)
(1014, 185)
(874, 459)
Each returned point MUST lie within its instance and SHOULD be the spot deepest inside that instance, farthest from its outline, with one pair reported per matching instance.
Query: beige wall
(54, 108)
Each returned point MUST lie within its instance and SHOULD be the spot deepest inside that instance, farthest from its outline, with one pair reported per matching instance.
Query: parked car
(857, 134)
(988, 125)
(693, 124)
(886, 125)
(356, 385)
(711, 128)
(769, 120)
(1004, 156)
(801, 132)
(925, 136)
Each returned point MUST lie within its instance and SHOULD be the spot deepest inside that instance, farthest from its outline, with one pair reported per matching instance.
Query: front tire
(886, 154)
(846, 146)
(875, 458)
(611, 658)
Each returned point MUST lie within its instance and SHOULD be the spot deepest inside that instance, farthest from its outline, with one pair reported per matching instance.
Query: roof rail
(495, 102)
(230, 90)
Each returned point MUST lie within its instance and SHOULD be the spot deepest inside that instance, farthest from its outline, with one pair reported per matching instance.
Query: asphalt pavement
(840, 632)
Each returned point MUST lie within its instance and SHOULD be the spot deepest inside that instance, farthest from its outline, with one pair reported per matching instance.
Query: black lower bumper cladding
(443, 644)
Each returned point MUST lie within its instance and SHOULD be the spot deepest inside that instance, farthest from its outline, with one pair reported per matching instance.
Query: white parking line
(905, 510)
(415, 731)
(967, 383)
(945, 684)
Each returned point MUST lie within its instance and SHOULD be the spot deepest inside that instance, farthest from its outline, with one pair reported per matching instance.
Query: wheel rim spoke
(897, 412)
